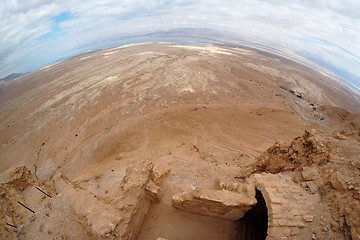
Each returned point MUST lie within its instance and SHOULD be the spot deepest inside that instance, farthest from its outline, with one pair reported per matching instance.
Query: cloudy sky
(34, 33)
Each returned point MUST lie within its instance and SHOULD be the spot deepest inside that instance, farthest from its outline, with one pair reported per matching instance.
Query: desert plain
(153, 140)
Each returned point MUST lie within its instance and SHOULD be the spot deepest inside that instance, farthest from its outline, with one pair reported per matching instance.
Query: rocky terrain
(166, 141)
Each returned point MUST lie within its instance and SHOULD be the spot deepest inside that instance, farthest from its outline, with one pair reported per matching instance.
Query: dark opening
(254, 224)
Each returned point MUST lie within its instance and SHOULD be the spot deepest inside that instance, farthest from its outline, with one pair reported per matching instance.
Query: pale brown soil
(85, 126)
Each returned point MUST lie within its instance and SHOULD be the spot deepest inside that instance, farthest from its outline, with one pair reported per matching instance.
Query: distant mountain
(12, 76)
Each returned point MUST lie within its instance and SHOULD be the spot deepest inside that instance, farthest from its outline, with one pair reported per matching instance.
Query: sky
(35, 33)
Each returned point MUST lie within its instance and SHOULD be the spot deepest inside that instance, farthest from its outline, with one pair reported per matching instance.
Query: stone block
(274, 223)
(295, 212)
(215, 203)
(292, 238)
(275, 232)
(301, 224)
(296, 223)
(286, 232)
(308, 218)
(276, 200)
(277, 216)
(282, 222)
(295, 231)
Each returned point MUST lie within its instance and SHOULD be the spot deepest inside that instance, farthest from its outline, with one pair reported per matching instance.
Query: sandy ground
(199, 112)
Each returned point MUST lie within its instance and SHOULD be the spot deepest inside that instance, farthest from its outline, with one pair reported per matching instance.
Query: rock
(231, 185)
(297, 94)
(309, 174)
(158, 174)
(32, 218)
(153, 192)
(215, 203)
(339, 136)
(312, 187)
(351, 221)
(20, 230)
(337, 182)
(313, 236)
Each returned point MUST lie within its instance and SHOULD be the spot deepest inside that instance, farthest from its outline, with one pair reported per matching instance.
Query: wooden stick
(26, 207)
(11, 225)
(43, 192)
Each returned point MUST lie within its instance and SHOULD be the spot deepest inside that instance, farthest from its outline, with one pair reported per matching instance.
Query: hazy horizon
(37, 33)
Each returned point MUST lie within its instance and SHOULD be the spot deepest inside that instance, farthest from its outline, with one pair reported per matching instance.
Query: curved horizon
(37, 33)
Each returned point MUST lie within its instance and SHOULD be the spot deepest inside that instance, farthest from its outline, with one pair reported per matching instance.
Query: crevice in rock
(254, 224)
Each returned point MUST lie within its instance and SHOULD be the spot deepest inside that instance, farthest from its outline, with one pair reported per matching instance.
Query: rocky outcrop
(322, 166)
(303, 151)
(89, 212)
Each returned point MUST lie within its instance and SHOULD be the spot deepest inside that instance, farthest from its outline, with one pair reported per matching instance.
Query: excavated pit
(208, 214)
(165, 222)
(254, 224)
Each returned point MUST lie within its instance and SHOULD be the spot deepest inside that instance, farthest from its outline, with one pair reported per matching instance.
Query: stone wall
(291, 209)
(293, 212)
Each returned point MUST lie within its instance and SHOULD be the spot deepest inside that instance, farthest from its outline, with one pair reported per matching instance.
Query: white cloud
(20, 25)
(279, 22)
